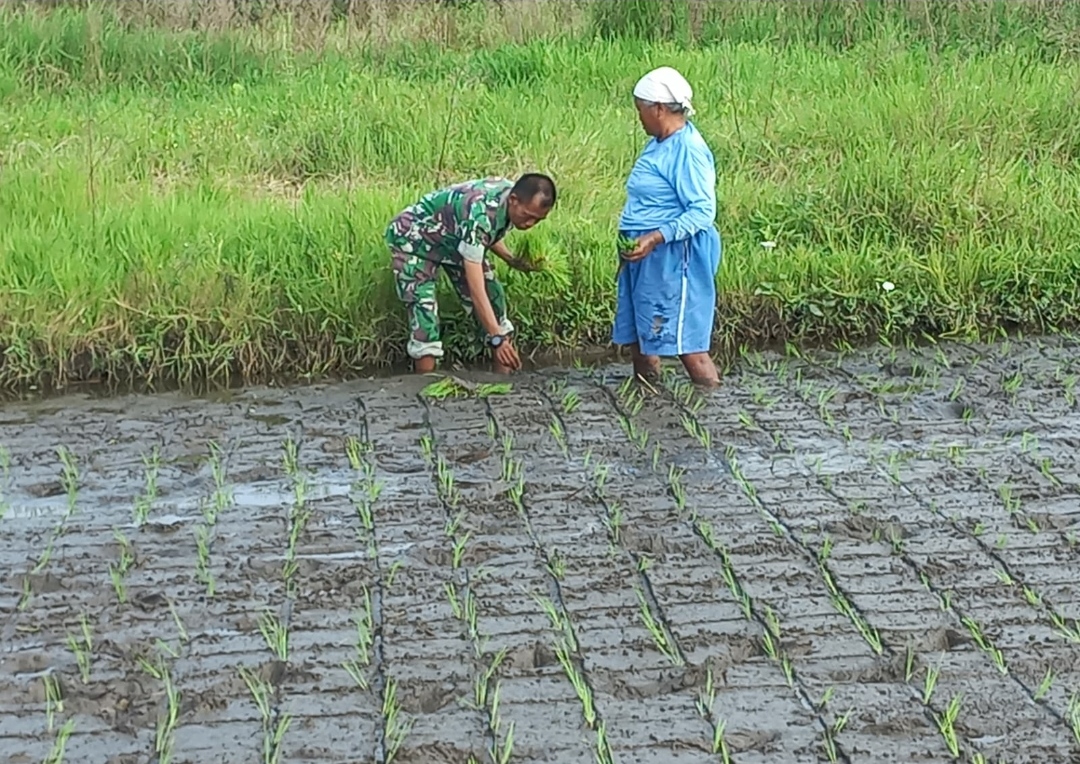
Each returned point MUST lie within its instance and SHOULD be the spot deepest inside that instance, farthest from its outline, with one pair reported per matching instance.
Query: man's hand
(645, 245)
(506, 356)
(522, 265)
(516, 263)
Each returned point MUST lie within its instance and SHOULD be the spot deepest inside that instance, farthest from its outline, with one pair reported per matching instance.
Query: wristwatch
(495, 340)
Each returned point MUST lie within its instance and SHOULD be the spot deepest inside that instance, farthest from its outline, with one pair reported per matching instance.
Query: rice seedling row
(367, 667)
(462, 592)
(326, 542)
(612, 507)
(767, 617)
(899, 667)
(565, 643)
(911, 477)
(771, 640)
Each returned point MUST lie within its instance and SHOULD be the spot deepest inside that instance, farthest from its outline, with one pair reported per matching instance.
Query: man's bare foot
(424, 365)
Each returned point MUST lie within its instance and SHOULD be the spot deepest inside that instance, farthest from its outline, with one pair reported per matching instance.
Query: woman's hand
(645, 245)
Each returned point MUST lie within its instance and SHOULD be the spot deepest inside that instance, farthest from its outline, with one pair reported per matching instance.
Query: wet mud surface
(869, 557)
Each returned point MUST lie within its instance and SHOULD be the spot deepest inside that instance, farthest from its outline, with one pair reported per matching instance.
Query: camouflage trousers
(415, 277)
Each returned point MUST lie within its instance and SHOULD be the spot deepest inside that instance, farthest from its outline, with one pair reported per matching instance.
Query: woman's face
(649, 116)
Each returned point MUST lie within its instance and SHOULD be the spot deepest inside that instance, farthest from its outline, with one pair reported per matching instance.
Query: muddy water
(567, 568)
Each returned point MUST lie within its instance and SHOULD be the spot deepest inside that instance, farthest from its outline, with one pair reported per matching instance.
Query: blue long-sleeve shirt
(672, 187)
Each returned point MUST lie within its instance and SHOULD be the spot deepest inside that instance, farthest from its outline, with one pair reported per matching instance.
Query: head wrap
(665, 85)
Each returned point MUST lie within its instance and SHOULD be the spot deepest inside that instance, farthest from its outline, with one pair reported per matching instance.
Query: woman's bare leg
(645, 366)
(701, 369)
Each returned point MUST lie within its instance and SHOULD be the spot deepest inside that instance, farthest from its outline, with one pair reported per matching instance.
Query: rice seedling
(454, 387)
(59, 745)
(1072, 716)
(222, 497)
(705, 702)
(841, 603)
(69, 479)
(1045, 685)
(559, 434)
(603, 746)
(273, 731)
(639, 436)
(298, 514)
(1069, 390)
(427, 449)
(829, 746)
(144, 501)
(276, 634)
(659, 631)
(82, 649)
(365, 640)
(180, 629)
(570, 402)
(165, 731)
(366, 489)
(577, 679)
(394, 730)
(985, 643)
(119, 571)
(946, 722)
(930, 683)
(54, 699)
(696, 431)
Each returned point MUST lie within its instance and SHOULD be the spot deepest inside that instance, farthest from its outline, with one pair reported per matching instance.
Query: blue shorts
(666, 302)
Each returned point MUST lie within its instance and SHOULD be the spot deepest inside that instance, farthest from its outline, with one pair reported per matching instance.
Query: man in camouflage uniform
(452, 228)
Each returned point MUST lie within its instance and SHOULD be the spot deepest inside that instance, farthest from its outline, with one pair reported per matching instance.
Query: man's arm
(499, 249)
(485, 314)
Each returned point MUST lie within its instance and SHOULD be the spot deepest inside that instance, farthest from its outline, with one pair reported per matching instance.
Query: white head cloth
(665, 85)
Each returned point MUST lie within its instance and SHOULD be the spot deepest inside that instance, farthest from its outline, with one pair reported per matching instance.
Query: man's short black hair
(534, 186)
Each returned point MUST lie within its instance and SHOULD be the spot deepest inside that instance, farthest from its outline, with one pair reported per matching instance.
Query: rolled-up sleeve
(475, 232)
(693, 176)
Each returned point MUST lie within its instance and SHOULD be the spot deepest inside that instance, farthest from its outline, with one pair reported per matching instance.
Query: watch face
(496, 341)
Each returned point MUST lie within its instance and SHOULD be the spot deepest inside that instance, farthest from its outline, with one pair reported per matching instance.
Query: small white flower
(888, 286)
(768, 244)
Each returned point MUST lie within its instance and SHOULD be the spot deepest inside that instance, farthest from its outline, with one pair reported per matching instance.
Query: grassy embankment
(184, 204)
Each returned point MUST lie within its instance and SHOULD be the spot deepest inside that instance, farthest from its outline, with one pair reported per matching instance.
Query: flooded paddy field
(860, 558)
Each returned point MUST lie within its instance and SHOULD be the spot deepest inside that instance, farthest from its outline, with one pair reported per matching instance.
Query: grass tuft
(201, 193)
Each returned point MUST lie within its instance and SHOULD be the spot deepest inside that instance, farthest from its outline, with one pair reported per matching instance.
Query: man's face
(524, 215)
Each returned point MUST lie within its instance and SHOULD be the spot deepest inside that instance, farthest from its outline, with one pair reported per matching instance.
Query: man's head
(530, 200)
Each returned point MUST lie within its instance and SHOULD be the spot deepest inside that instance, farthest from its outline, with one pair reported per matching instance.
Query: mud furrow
(703, 703)
(450, 500)
(818, 558)
(703, 530)
(566, 632)
(929, 501)
(367, 490)
(948, 603)
(428, 662)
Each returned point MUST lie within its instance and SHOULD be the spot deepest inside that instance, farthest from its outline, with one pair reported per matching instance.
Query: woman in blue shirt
(667, 281)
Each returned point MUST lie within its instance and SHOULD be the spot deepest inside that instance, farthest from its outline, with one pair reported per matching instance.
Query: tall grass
(189, 189)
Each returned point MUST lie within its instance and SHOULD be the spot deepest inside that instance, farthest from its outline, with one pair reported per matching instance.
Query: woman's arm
(694, 180)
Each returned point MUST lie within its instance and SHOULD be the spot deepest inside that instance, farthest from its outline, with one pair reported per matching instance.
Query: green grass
(184, 204)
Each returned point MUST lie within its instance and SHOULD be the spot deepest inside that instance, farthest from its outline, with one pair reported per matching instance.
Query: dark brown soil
(811, 541)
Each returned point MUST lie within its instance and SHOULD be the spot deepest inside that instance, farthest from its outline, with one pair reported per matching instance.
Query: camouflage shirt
(454, 223)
